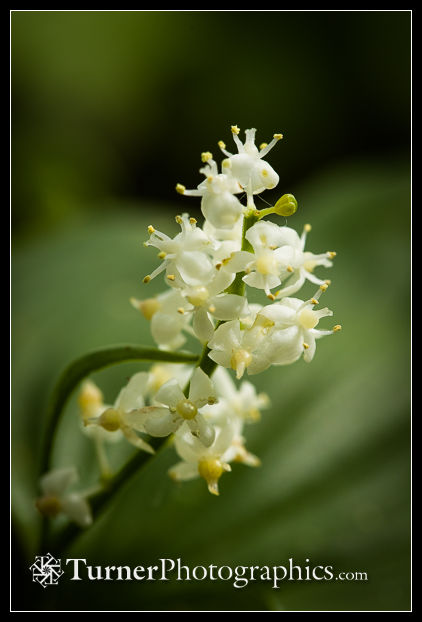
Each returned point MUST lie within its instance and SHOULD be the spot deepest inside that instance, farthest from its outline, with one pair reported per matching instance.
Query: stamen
(162, 255)
(221, 144)
(337, 328)
(151, 229)
(171, 277)
(147, 278)
(206, 156)
(180, 188)
(306, 346)
(179, 219)
(331, 254)
(181, 310)
(235, 129)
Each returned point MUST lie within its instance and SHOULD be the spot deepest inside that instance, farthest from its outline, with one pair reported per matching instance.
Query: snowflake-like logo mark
(46, 570)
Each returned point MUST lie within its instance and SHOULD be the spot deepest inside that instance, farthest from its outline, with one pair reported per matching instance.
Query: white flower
(185, 258)
(168, 318)
(267, 263)
(299, 263)
(118, 417)
(239, 348)
(56, 499)
(210, 300)
(177, 409)
(293, 331)
(219, 204)
(211, 462)
(247, 166)
(241, 402)
(200, 461)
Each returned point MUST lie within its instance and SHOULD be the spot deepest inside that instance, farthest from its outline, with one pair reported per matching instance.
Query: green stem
(82, 367)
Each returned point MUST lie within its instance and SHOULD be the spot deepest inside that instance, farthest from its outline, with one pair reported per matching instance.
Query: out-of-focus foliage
(109, 111)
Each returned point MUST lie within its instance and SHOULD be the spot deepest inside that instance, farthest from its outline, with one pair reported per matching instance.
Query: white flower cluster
(208, 271)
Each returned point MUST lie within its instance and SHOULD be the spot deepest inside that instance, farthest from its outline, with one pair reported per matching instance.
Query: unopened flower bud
(286, 205)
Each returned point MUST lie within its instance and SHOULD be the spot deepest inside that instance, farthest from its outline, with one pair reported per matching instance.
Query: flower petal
(202, 325)
(77, 509)
(55, 482)
(132, 395)
(201, 388)
(170, 393)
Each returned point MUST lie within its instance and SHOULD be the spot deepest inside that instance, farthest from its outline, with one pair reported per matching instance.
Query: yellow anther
(278, 136)
(221, 144)
(306, 346)
(226, 163)
(328, 281)
(271, 296)
(178, 219)
(314, 301)
(151, 229)
(171, 277)
(263, 145)
(211, 309)
(180, 310)
(193, 221)
(264, 173)
(331, 254)
(147, 278)
(336, 328)
(206, 156)
(307, 228)
(323, 287)
(161, 255)
(290, 269)
(235, 129)
(180, 188)
(212, 400)
(218, 266)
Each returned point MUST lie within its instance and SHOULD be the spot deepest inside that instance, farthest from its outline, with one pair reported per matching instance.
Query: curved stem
(93, 361)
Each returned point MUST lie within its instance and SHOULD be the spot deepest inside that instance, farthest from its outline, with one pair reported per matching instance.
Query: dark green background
(109, 111)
